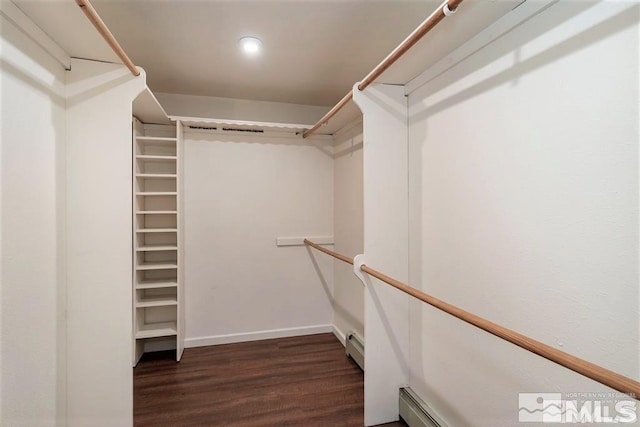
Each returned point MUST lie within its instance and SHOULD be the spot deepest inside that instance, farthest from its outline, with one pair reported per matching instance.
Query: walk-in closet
(417, 213)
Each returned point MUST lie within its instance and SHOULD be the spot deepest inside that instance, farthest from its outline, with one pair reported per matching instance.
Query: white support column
(99, 262)
(385, 247)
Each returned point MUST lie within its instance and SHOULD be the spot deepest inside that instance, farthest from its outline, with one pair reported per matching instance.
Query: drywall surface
(242, 191)
(33, 197)
(348, 230)
(99, 260)
(524, 210)
(239, 109)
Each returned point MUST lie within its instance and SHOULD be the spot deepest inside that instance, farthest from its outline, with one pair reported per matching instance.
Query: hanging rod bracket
(447, 11)
(358, 261)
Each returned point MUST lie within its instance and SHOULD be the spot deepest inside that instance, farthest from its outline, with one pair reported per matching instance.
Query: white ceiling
(314, 50)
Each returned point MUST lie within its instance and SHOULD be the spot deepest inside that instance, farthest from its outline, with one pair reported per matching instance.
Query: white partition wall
(524, 207)
(385, 247)
(99, 263)
(348, 229)
(32, 280)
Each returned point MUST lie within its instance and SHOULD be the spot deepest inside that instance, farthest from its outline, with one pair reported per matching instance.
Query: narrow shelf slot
(157, 193)
(152, 248)
(157, 301)
(152, 330)
(156, 212)
(163, 265)
(156, 175)
(155, 157)
(159, 284)
(156, 138)
(157, 230)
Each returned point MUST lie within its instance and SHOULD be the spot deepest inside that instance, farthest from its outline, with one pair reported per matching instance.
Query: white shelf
(153, 330)
(344, 117)
(155, 157)
(162, 265)
(148, 110)
(170, 283)
(156, 175)
(242, 124)
(157, 193)
(156, 212)
(157, 230)
(157, 301)
(156, 248)
(156, 139)
(445, 38)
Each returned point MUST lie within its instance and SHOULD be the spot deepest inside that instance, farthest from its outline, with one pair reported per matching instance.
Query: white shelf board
(148, 110)
(157, 212)
(344, 117)
(156, 230)
(157, 301)
(470, 19)
(155, 157)
(156, 175)
(158, 139)
(497, 29)
(163, 265)
(447, 36)
(241, 124)
(156, 248)
(157, 193)
(152, 330)
(158, 284)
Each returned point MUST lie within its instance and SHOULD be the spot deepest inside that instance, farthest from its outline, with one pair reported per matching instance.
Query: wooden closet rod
(597, 373)
(329, 252)
(330, 114)
(97, 22)
(413, 38)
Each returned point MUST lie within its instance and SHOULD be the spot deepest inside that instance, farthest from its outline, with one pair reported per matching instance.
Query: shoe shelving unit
(158, 285)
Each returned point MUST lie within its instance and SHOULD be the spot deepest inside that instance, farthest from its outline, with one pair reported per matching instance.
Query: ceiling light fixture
(251, 46)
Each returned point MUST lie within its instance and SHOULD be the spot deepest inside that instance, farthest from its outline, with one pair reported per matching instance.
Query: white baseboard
(342, 337)
(257, 336)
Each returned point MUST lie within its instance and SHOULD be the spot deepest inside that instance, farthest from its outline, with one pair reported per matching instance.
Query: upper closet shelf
(419, 59)
(240, 125)
(433, 50)
(345, 116)
(148, 110)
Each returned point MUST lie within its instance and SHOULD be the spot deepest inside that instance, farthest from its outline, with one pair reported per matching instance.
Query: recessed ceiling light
(250, 45)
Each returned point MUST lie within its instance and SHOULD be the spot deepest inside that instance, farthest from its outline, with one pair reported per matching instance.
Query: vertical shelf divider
(180, 237)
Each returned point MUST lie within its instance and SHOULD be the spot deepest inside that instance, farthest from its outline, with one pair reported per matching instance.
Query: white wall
(32, 297)
(524, 200)
(241, 193)
(348, 229)
(99, 225)
(239, 109)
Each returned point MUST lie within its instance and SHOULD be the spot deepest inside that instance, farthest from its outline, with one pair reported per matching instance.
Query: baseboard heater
(415, 412)
(354, 346)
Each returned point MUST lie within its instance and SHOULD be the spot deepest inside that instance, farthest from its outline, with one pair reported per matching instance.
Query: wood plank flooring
(301, 381)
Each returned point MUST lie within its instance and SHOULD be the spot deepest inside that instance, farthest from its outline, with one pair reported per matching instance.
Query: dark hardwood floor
(300, 381)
